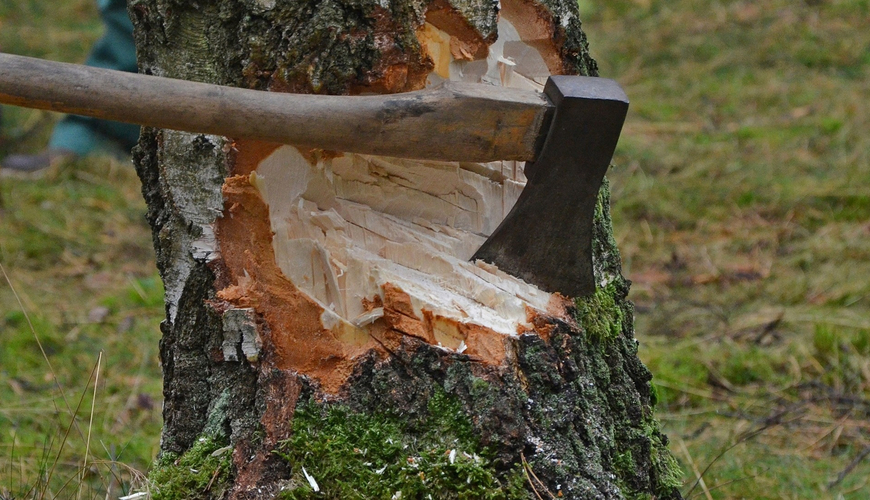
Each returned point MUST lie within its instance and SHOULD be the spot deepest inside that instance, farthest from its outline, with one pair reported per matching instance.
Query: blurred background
(82, 303)
(741, 204)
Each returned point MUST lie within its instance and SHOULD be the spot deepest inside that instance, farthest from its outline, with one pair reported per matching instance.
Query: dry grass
(80, 391)
(742, 212)
(80, 383)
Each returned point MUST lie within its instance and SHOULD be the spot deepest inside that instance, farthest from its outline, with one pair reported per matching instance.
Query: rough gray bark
(568, 413)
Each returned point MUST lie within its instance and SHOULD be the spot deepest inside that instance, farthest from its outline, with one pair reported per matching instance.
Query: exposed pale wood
(345, 227)
(455, 121)
(348, 228)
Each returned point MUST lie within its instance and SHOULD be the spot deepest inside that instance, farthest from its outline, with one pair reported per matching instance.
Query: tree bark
(280, 383)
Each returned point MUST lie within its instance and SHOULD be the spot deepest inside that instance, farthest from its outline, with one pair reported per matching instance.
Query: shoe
(33, 165)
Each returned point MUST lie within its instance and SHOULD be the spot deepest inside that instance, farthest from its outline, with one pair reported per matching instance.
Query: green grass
(741, 209)
(60, 31)
(77, 252)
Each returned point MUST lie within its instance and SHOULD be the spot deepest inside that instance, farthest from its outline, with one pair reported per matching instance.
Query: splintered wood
(510, 61)
(346, 226)
(384, 245)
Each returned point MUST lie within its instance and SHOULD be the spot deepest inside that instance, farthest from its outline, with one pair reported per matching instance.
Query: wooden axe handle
(456, 122)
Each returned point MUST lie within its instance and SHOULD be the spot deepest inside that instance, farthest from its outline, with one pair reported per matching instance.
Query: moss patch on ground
(354, 455)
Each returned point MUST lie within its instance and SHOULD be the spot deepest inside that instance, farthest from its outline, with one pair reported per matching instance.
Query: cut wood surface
(455, 121)
(379, 244)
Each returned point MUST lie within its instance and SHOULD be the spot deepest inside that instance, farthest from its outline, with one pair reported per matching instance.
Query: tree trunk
(324, 329)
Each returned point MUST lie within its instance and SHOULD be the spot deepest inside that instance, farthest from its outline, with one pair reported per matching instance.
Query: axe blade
(546, 239)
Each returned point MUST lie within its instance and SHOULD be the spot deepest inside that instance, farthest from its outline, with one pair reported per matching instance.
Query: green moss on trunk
(203, 471)
(356, 455)
(600, 315)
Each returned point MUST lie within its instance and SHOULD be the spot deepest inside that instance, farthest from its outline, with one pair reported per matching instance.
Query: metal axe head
(546, 239)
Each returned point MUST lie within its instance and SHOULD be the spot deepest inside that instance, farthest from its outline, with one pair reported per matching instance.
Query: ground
(739, 209)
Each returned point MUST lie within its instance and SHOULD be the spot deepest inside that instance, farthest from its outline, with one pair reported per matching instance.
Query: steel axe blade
(546, 239)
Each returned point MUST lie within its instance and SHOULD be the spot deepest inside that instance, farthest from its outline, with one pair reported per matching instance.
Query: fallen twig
(769, 422)
(849, 468)
(528, 470)
(695, 470)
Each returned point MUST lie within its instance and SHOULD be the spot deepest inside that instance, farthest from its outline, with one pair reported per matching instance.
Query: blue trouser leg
(115, 50)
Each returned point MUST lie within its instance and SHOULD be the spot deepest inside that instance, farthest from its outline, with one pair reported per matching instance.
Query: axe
(567, 135)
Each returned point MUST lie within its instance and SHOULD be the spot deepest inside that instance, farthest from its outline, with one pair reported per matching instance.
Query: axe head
(546, 239)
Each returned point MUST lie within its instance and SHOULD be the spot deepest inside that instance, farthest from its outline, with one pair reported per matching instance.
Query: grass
(60, 31)
(83, 419)
(741, 210)
(76, 250)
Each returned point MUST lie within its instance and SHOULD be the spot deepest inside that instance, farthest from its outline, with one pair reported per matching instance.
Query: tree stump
(326, 334)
